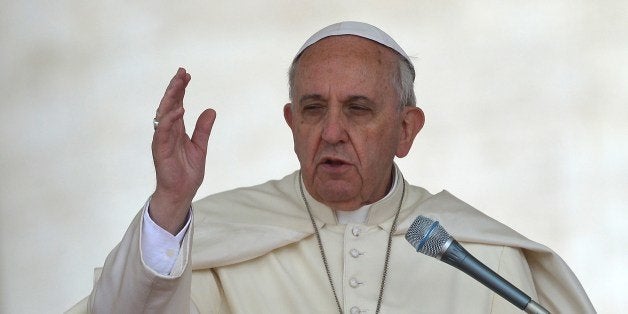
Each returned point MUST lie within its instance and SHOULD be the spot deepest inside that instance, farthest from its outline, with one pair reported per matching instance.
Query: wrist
(169, 212)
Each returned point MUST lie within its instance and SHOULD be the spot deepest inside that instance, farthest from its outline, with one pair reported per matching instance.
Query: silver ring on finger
(155, 123)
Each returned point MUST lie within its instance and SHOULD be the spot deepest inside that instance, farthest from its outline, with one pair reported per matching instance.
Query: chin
(335, 192)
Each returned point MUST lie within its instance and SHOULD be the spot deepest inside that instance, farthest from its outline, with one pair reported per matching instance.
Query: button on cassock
(354, 283)
(356, 231)
(354, 253)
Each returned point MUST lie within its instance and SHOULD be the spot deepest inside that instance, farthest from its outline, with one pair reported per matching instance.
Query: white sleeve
(159, 248)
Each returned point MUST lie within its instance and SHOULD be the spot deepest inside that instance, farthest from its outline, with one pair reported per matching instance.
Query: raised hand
(179, 160)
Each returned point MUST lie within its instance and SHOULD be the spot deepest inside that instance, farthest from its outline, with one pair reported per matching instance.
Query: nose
(334, 127)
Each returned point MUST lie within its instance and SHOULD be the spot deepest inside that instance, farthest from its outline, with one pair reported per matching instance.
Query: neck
(392, 183)
(377, 212)
(362, 198)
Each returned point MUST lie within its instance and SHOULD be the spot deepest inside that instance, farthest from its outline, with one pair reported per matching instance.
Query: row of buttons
(353, 282)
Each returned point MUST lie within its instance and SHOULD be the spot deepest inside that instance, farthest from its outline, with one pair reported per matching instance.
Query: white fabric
(160, 248)
(360, 29)
(357, 216)
(261, 237)
(245, 230)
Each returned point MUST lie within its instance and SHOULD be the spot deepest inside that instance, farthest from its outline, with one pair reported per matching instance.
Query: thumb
(203, 128)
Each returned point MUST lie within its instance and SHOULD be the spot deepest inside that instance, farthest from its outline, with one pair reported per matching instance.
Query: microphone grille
(427, 236)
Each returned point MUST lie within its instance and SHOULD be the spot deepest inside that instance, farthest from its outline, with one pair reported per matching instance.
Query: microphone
(430, 238)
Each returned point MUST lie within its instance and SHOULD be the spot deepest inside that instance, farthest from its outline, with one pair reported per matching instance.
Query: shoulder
(466, 223)
(277, 197)
(244, 223)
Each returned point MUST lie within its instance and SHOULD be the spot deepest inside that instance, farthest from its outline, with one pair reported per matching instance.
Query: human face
(346, 121)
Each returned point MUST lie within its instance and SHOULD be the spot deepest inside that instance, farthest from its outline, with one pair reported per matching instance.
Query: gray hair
(403, 81)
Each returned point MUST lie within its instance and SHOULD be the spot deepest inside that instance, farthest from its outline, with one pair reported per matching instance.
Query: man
(329, 237)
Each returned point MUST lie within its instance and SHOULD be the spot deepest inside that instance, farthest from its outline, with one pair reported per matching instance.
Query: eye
(313, 111)
(359, 109)
(311, 108)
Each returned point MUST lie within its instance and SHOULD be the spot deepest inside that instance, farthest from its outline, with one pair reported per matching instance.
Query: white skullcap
(360, 29)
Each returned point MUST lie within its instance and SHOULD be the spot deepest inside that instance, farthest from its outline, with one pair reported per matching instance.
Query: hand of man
(179, 160)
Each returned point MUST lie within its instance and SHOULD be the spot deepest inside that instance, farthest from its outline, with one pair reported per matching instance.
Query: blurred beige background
(526, 106)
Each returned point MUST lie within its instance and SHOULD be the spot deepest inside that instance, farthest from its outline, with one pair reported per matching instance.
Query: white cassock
(253, 250)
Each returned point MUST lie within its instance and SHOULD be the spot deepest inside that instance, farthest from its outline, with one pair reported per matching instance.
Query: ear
(412, 122)
(287, 114)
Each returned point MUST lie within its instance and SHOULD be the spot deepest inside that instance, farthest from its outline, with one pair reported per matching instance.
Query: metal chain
(393, 228)
(320, 245)
(324, 258)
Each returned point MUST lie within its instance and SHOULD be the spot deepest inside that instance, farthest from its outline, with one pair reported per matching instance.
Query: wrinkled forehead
(346, 66)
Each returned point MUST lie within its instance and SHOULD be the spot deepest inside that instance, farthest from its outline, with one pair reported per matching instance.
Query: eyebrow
(310, 97)
(351, 98)
(359, 98)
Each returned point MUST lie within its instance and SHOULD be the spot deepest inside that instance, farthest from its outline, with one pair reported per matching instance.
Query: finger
(203, 128)
(173, 96)
(176, 90)
(167, 124)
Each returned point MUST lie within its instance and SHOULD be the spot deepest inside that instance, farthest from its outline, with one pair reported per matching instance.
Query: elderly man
(329, 237)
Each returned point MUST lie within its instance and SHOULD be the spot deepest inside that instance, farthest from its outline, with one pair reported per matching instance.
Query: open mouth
(331, 162)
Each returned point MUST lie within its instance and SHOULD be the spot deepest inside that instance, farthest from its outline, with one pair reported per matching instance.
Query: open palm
(179, 160)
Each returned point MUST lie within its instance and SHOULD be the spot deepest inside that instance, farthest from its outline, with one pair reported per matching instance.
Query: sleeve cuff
(160, 249)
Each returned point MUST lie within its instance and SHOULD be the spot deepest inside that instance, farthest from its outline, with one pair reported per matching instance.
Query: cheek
(376, 146)
(305, 145)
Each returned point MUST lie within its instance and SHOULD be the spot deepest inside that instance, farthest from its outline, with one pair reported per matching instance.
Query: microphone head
(428, 237)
